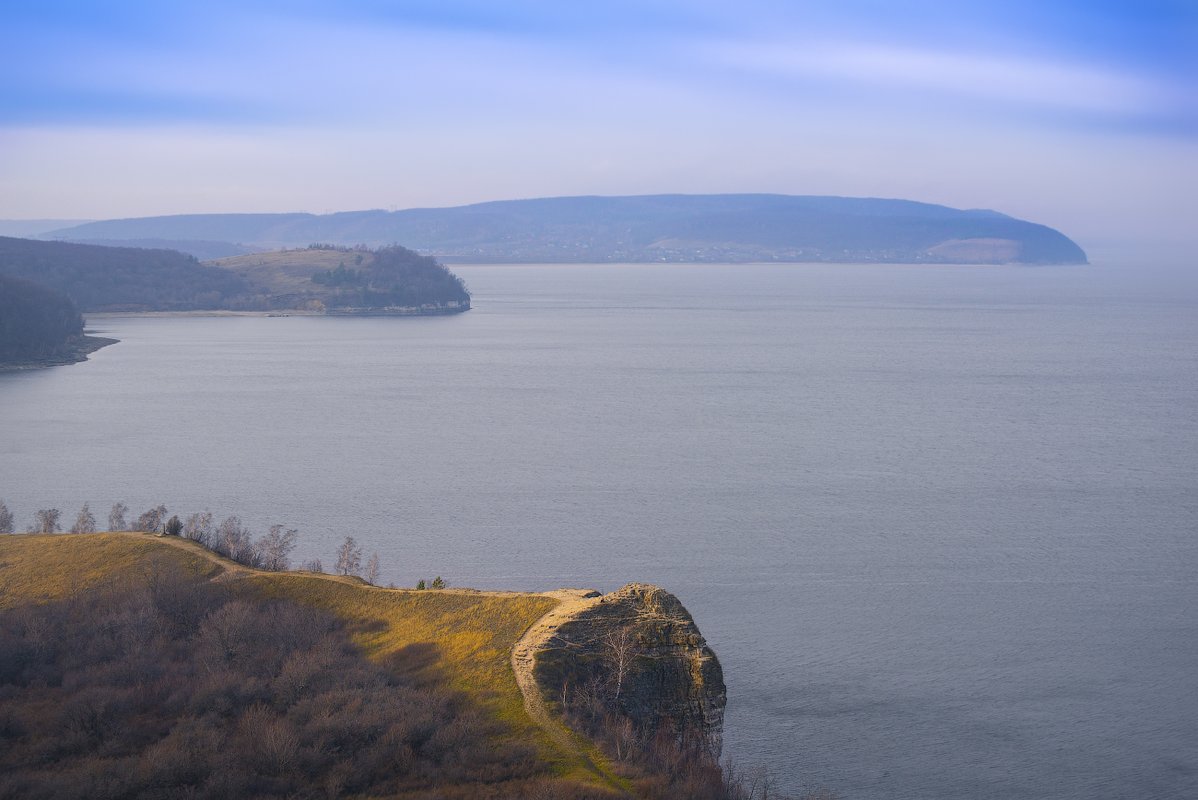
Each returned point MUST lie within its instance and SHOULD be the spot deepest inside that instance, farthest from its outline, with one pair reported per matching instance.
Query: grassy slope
(473, 631)
(289, 271)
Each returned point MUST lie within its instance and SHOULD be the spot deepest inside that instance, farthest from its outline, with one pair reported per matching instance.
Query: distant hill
(705, 228)
(390, 280)
(35, 227)
(203, 250)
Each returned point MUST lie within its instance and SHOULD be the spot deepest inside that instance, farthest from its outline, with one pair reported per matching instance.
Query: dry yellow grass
(39, 567)
(290, 270)
(473, 632)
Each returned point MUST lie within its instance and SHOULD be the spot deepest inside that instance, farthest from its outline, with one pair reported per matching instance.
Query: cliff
(638, 655)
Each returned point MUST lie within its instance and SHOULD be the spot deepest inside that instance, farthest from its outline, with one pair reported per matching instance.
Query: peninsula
(314, 279)
(150, 662)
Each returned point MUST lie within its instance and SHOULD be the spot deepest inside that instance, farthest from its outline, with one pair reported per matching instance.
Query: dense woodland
(394, 277)
(36, 323)
(120, 278)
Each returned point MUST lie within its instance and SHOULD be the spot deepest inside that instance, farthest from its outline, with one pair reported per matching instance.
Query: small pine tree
(6, 520)
(174, 526)
(437, 583)
(420, 584)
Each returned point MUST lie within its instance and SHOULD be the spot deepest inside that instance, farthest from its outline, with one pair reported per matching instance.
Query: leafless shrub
(349, 557)
(115, 693)
(198, 528)
(6, 520)
(150, 521)
(116, 517)
(85, 522)
(275, 548)
(45, 521)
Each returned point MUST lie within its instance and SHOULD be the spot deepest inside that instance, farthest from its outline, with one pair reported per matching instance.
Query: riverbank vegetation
(40, 326)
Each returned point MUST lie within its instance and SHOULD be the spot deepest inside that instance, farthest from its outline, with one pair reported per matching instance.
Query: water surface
(938, 523)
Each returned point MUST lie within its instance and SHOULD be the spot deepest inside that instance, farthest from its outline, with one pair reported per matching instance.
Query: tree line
(394, 277)
(120, 278)
(36, 323)
(229, 538)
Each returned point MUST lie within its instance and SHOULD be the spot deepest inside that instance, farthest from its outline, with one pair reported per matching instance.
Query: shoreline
(298, 312)
(80, 349)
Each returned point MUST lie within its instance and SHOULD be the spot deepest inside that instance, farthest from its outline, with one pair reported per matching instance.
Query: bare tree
(46, 521)
(85, 522)
(314, 565)
(349, 557)
(6, 520)
(276, 547)
(233, 541)
(151, 520)
(198, 528)
(116, 517)
(620, 649)
(372, 569)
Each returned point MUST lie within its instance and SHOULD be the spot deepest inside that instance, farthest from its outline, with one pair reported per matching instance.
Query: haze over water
(938, 523)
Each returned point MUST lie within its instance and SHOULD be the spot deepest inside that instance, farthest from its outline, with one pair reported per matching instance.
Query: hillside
(39, 326)
(120, 278)
(141, 665)
(710, 228)
(390, 280)
(343, 280)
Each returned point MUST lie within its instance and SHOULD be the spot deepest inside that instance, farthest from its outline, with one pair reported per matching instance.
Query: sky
(1078, 114)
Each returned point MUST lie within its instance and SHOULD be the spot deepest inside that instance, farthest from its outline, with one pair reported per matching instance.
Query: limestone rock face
(638, 652)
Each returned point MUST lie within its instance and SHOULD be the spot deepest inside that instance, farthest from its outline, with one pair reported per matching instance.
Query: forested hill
(318, 278)
(738, 227)
(39, 326)
(120, 278)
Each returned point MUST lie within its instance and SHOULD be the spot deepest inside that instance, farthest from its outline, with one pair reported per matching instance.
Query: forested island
(40, 327)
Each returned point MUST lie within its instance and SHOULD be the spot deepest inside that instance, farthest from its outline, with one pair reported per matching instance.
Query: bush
(174, 686)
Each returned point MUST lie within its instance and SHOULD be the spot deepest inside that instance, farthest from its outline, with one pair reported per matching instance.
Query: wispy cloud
(1010, 79)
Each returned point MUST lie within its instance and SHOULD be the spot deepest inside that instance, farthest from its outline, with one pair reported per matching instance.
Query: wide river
(940, 524)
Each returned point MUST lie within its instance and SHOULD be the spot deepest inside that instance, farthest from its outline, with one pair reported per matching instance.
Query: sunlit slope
(466, 635)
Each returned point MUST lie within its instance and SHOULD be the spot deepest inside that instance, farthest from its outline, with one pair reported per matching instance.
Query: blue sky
(1083, 115)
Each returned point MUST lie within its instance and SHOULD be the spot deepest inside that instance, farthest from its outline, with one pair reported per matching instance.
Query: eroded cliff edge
(634, 655)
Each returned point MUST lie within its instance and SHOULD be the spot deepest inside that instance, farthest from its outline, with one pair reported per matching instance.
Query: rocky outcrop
(638, 653)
